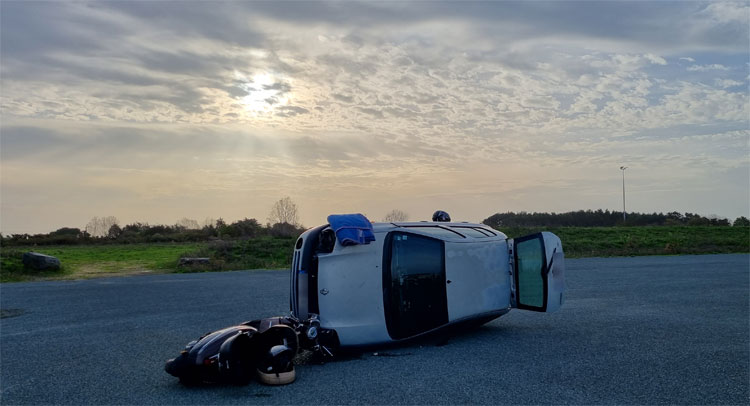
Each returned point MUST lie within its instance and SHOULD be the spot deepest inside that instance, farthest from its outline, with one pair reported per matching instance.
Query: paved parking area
(643, 330)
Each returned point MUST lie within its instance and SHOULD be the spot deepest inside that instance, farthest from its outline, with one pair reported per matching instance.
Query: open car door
(538, 267)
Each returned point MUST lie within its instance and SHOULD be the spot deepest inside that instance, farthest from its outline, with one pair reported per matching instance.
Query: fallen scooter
(264, 349)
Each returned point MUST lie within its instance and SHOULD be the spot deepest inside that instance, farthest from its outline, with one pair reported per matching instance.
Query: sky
(153, 111)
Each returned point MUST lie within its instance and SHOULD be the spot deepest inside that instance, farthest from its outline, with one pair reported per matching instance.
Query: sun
(265, 92)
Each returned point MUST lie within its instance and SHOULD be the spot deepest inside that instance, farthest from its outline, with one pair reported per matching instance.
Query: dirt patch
(103, 269)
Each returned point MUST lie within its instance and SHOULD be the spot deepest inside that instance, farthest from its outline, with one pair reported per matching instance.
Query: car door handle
(448, 281)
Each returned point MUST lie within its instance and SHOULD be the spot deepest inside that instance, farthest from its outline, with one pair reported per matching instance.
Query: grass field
(256, 253)
(657, 240)
(87, 261)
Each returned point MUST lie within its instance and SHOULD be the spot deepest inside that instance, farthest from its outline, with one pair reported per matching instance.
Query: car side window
(414, 284)
(530, 268)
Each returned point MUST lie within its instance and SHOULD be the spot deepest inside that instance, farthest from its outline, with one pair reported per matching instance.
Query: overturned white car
(369, 284)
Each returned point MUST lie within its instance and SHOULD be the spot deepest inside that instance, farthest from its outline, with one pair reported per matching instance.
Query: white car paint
(478, 270)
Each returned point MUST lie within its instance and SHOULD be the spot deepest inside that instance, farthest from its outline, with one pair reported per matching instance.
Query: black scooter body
(233, 354)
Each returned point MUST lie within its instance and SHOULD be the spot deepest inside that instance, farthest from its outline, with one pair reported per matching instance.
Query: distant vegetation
(106, 230)
(138, 248)
(395, 216)
(106, 248)
(605, 218)
(86, 261)
(267, 252)
(144, 233)
(646, 240)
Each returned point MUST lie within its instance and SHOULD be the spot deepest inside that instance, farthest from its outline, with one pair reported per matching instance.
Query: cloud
(146, 80)
(704, 68)
(655, 59)
(289, 111)
(727, 83)
(385, 99)
(735, 12)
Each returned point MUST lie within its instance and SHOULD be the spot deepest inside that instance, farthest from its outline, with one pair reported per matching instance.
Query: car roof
(450, 230)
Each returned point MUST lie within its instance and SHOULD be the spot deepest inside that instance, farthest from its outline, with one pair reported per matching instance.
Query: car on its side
(413, 278)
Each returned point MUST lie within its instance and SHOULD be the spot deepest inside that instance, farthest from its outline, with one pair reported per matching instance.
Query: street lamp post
(622, 168)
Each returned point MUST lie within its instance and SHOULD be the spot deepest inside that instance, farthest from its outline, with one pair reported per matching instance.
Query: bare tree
(99, 226)
(395, 216)
(188, 224)
(284, 211)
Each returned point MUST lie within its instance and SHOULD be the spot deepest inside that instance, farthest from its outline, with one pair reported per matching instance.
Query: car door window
(531, 270)
(414, 284)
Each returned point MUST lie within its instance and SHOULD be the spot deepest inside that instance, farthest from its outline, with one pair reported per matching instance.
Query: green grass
(87, 261)
(256, 253)
(657, 240)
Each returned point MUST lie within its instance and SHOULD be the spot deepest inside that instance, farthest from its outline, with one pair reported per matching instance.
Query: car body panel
(352, 300)
(347, 288)
(479, 278)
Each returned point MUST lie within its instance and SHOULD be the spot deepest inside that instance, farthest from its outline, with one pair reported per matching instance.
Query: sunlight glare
(264, 93)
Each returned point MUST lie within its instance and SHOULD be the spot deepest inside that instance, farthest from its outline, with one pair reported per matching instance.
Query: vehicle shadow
(458, 334)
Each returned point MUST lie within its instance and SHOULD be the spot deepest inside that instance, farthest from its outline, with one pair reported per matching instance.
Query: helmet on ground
(276, 366)
(277, 348)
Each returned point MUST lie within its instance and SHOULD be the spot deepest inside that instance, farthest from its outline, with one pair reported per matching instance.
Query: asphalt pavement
(643, 330)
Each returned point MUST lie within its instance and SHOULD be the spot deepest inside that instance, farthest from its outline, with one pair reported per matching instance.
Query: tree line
(605, 218)
(146, 233)
(282, 222)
